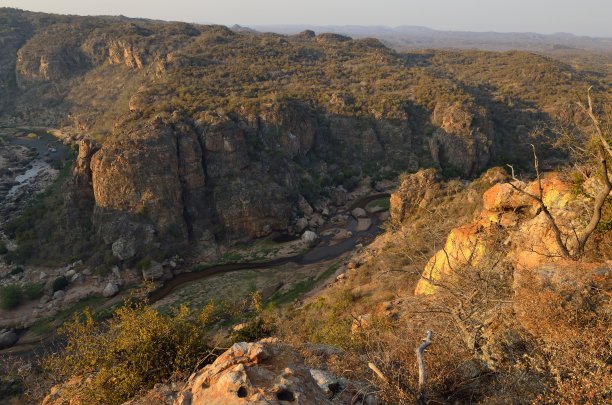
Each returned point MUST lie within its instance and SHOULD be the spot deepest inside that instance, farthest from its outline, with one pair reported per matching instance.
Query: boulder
(342, 234)
(254, 373)
(110, 290)
(301, 225)
(327, 382)
(384, 216)
(304, 206)
(359, 213)
(7, 338)
(310, 237)
(363, 224)
(58, 295)
(317, 220)
(529, 234)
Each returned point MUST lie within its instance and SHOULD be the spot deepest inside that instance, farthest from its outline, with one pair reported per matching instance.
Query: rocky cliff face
(205, 138)
(464, 137)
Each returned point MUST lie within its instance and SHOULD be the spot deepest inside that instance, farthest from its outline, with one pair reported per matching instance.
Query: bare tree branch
(600, 200)
(596, 122)
(539, 199)
(421, 363)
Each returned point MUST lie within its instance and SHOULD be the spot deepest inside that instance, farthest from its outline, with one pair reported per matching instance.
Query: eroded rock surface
(528, 234)
(254, 373)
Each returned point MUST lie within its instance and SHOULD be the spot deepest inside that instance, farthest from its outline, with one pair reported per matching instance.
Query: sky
(581, 17)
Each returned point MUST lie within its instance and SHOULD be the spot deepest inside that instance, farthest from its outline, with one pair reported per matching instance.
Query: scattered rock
(342, 235)
(327, 382)
(7, 338)
(58, 295)
(310, 237)
(359, 213)
(362, 322)
(110, 290)
(301, 225)
(363, 224)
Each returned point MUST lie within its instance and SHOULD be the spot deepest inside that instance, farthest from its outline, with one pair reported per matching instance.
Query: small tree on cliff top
(587, 149)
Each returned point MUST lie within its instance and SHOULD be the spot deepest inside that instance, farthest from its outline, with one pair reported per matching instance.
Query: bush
(10, 296)
(3, 249)
(60, 283)
(128, 353)
(33, 290)
(16, 270)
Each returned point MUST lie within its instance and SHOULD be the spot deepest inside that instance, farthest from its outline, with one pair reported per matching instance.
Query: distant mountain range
(416, 37)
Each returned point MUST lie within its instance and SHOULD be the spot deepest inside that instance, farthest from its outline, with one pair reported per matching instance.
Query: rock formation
(253, 373)
(532, 242)
(415, 191)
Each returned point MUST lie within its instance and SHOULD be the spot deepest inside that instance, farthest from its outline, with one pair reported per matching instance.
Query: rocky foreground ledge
(266, 372)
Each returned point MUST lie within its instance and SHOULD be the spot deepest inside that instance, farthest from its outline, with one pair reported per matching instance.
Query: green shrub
(60, 283)
(10, 296)
(3, 249)
(128, 353)
(16, 270)
(33, 290)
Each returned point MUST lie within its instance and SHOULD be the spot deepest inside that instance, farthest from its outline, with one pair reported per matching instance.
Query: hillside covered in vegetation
(193, 214)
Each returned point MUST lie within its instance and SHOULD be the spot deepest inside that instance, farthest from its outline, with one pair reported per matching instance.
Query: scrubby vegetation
(137, 347)
(550, 345)
(10, 296)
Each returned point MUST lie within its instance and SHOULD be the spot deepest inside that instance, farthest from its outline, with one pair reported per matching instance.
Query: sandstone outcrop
(529, 237)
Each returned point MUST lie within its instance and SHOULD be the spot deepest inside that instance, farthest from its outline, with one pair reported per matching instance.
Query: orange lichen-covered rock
(464, 246)
(530, 239)
(503, 196)
(556, 193)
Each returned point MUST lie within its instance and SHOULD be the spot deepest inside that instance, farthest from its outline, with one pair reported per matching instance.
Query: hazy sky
(584, 17)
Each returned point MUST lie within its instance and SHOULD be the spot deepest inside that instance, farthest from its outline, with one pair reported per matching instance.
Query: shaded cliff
(203, 129)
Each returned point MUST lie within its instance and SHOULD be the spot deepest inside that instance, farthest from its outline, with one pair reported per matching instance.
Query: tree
(578, 143)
